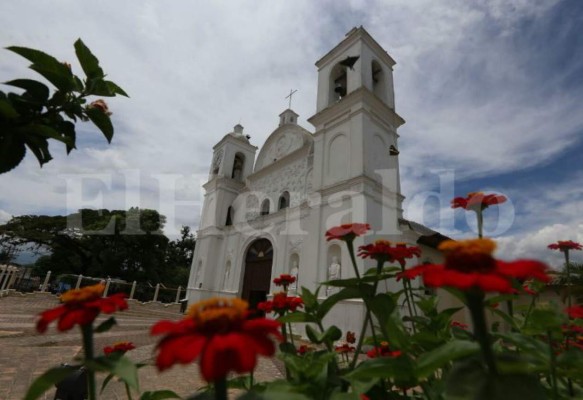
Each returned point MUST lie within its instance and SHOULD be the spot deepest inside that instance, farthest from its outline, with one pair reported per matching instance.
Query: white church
(265, 213)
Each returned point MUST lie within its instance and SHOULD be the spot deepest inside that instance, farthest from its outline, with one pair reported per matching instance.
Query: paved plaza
(24, 354)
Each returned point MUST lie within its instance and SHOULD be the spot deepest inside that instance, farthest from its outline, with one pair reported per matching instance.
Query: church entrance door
(257, 279)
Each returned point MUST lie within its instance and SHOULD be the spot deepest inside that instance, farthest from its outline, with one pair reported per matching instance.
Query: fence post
(156, 292)
(15, 272)
(106, 287)
(46, 282)
(6, 278)
(133, 290)
(78, 285)
(3, 269)
(178, 294)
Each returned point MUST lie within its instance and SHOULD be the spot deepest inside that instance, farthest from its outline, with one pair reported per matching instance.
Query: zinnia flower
(101, 105)
(303, 349)
(281, 303)
(220, 333)
(344, 348)
(347, 232)
(350, 337)
(383, 351)
(469, 264)
(284, 280)
(477, 201)
(575, 311)
(565, 245)
(383, 250)
(120, 347)
(81, 306)
(457, 324)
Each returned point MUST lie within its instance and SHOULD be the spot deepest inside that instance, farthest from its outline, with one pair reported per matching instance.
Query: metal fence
(26, 280)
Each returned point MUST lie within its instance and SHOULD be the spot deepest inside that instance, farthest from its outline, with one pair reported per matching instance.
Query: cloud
(470, 81)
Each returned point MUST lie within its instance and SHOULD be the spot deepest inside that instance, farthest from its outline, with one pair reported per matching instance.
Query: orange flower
(220, 333)
(469, 264)
(565, 245)
(347, 232)
(477, 201)
(81, 306)
(383, 250)
(120, 347)
(101, 106)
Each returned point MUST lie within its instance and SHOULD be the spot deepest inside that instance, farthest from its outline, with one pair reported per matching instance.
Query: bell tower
(355, 144)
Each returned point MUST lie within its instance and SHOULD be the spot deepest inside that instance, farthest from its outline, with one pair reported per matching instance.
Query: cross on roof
(291, 93)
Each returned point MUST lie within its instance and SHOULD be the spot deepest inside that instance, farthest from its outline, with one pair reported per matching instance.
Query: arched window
(238, 164)
(338, 83)
(378, 80)
(265, 207)
(283, 200)
(229, 221)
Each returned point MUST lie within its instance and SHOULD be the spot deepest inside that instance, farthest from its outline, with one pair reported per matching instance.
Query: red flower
(347, 232)
(565, 245)
(101, 106)
(382, 250)
(350, 337)
(281, 303)
(458, 324)
(220, 333)
(383, 351)
(364, 397)
(529, 291)
(469, 264)
(81, 306)
(303, 349)
(575, 311)
(121, 347)
(345, 348)
(477, 201)
(284, 280)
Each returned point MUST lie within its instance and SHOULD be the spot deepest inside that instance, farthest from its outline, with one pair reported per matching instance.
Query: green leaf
(12, 151)
(159, 395)
(363, 290)
(309, 298)
(102, 121)
(88, 61)
(398, 368)
(116, 89)
(297, 316)
(37, 90)
(39, 147)
(7, 111)
(107, 379)
(503, 387)
(382, 306)
(45, 131)
(331, 334)
(106, 325)
(48, 66)
(46, 381)
(121, 367)
(429, 362)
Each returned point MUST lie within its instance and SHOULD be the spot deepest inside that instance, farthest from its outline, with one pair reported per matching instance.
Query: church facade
(265, 212)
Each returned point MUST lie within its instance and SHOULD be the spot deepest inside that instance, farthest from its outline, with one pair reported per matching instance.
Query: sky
(491, 92)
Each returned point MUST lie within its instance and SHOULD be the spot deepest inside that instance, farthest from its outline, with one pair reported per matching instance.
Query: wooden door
(257, 278)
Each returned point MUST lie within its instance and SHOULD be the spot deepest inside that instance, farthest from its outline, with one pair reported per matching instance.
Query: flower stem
(221, 389)
(291, 334)
(480, 223)
(350, 245)
(87, 333)
(476, 305)
(530, 307)
(553, 368)
(568, 268)
(128, 392)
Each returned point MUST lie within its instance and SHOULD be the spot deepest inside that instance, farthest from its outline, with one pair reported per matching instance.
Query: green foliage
(30, 119)
(46, 381)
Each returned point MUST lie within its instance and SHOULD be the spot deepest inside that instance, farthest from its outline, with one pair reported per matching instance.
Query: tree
(30, 119)
(126, 244)
(179, 257)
